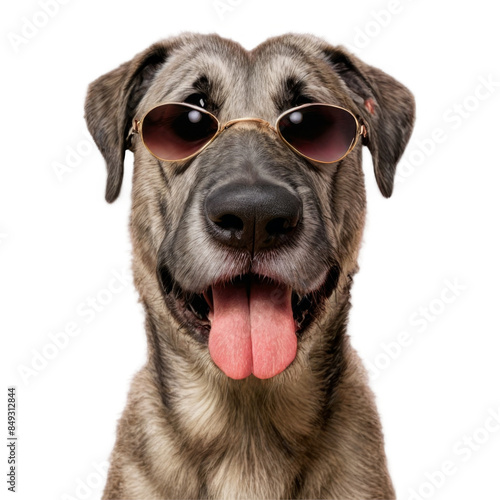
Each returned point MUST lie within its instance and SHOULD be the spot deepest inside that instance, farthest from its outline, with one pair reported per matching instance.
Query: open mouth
(251, 323)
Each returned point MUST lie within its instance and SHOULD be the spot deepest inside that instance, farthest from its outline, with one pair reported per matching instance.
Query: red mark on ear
(370, 105)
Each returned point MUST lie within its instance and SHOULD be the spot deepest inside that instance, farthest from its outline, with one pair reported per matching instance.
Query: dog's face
(248, 239)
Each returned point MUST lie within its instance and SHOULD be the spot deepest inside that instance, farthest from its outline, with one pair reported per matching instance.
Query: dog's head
(247, 239)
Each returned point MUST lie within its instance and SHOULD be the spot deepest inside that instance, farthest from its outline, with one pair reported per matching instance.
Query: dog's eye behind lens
(175, 131)
(303, 125)
(194, 126)
(194, 116)
(320, 133)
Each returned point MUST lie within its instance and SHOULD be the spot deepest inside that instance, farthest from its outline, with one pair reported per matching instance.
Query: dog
(246, 235)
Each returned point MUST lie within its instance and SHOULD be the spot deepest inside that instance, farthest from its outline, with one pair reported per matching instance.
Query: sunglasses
(323, 133)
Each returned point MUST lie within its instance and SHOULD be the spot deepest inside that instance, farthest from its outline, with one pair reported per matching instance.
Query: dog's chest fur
(252, 451)
(243, 443)
(235, 439)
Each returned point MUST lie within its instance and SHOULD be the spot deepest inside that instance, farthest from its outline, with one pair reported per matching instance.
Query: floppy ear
(111, 103)
(387, 108)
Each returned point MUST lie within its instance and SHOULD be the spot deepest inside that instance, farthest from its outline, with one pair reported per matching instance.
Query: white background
(60, 242)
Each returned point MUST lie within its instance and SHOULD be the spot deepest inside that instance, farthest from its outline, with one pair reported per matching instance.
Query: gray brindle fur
(189, 431)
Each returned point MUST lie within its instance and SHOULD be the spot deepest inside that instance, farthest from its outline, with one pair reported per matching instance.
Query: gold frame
(360, 129)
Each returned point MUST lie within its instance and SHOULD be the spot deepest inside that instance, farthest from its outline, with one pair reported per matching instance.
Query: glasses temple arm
(363, 130)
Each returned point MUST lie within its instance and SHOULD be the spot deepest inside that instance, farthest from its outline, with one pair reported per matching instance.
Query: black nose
(252, 217)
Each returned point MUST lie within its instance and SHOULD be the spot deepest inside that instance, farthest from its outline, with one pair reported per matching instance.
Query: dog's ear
(387, 108)
(111, 103)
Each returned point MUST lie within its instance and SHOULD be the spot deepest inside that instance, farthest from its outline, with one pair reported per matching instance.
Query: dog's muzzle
(254, 217)
(252, 325)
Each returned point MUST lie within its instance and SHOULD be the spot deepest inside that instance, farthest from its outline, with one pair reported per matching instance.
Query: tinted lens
(176, 131)
(322, 133)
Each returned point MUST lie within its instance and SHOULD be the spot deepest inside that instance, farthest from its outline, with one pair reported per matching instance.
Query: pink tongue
(252, 334)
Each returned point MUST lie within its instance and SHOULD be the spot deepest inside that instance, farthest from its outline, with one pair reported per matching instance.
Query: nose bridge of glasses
(258, 121)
